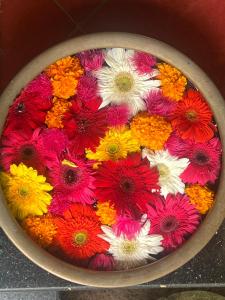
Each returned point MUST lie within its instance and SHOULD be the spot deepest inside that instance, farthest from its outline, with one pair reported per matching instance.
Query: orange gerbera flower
(151, 131)
(192, 118)
(173, 82)
(64, 75)
(106, 213)
(201, 197)
(54, 117)
(41, 229)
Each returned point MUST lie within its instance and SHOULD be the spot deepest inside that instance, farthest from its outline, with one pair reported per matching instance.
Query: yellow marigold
(64, 75)
(173, 82)
(151, 131)
(26, 192)
(106, 213)
(201, 197)
(41, 229)
(117, 143)
(54, 117)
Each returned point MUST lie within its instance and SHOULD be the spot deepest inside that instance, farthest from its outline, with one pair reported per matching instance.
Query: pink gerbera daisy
(85, 124)
(143, 62)
(157, 104)
(87, 88)
(117, 115)
(59, 205)
(40, 86)
(177, 146)
(92, 60)
(72, 180)
(20, 147)
(175, 218)
(127, 226)
(102, 262)
(127, 184)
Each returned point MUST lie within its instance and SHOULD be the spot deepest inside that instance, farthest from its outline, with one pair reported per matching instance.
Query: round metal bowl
(208, 227)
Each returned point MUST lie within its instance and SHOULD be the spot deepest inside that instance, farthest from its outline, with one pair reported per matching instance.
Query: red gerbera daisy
(85, 124)
(27, 113)
(127, 184)
(28, 148)
(174, 218)
(77, 233)
(192, 118)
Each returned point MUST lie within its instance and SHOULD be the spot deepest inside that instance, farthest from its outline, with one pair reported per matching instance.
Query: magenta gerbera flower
(92, 60)
(40, 86)
(175, 218)
(117, 115)
(20, 147)
(158, 104)
(143, 62)
(73, 180)
(127, 184)
(59, 205)
(87, 88)
(85, 124)
(102, 262)
(127, 226)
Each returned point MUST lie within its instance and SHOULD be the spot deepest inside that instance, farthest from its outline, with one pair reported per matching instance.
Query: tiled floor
(196, 27)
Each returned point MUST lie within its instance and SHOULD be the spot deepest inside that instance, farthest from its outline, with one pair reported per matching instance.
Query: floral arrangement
(110, 158)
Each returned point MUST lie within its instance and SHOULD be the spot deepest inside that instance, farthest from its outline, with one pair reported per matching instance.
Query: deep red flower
(127, 184)
(85, 124)
(77, 233)
(192, 118)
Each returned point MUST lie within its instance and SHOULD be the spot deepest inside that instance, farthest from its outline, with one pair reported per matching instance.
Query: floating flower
(27, 113)
(117, 143)
(92, 60)
(192, 118)
(102, 262)
(20, 147)
(151, 131)
(72, 180)
(201, 197)
(26, 192)
(157, 104)
(85, 124)
(87, 88)
(127, 226)
(174, 218)
(126, 184)
(173, 82)
(77, 233)
(41, 229)
(106, 213)
(117, 115)
(143, 62)
(120, 83)
(64, 75)
(170, 168)
(177, 146)
(58, 205)
(135, 252)
(54, 117)
(40, 86)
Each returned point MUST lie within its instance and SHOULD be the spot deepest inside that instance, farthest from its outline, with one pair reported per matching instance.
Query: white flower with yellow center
(170, 168)
(119, 82)
(131, 253)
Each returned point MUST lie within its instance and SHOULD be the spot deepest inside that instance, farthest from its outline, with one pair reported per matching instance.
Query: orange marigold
(151, 131)
(54, 117)
(173, 82)
(201, 197)
(106, 213)
(41, 229)
(64, 75)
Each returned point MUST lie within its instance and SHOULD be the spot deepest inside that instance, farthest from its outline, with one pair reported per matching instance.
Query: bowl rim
(213, 219)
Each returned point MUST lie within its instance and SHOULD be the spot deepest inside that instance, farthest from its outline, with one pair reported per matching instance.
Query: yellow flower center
(163, 170)
(124, 82)
(129, 247)
(80, 238)
(191, 115)
(113, 148)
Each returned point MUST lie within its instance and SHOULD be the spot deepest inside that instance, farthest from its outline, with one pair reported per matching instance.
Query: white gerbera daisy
(170, 168)
(119, 82)
(134, 252)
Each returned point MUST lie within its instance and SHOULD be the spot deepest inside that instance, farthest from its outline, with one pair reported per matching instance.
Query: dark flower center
(201, 158)
(20, 107)
(28, 152)
(169, 224)
(127, 185)
(191, 115)
(83, 124)
(70, 176)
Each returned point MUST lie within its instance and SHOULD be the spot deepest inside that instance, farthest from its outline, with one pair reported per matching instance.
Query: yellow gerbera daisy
(201, 197)
(151, 131)
(26, 192)
(117, 143)
(173, 82)
(106, 213)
